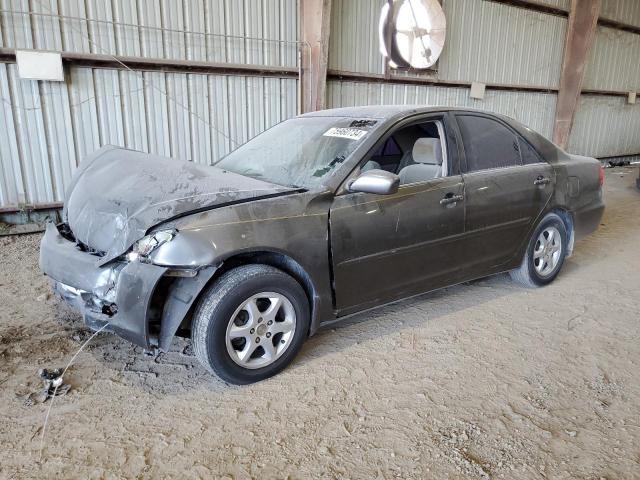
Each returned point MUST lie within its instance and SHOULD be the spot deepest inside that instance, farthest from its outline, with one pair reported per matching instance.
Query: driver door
(386, 247)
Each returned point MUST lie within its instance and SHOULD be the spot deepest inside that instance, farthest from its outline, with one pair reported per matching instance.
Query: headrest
(427, 150)
(370, 165)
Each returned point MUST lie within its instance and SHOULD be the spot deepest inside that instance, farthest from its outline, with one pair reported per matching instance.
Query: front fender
(187, 249)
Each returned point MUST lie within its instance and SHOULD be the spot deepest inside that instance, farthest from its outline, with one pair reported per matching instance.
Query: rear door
(507, 185)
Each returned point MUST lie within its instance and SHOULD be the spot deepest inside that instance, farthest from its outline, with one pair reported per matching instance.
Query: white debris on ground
(482, 380)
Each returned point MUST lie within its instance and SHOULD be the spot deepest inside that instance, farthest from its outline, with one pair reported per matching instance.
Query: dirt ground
(481, 380)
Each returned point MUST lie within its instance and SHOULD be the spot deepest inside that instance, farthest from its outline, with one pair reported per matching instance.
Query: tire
(231, 305)
(532, 273)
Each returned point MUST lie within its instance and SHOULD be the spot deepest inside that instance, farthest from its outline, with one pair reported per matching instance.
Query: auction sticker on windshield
(349, 133)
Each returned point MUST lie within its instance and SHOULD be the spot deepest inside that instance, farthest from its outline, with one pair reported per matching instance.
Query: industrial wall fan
(412, 33)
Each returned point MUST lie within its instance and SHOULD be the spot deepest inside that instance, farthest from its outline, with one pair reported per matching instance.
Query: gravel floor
(481, 380)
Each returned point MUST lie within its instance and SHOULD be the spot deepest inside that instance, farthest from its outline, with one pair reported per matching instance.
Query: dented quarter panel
(580, 192)
(578, 189)
(295, 226)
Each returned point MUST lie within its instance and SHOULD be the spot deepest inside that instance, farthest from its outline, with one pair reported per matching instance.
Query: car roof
(385, 112)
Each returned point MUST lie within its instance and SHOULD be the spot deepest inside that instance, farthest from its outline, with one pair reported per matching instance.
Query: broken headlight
(146, 245)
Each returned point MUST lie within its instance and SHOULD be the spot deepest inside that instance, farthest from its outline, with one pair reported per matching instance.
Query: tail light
(601, 176)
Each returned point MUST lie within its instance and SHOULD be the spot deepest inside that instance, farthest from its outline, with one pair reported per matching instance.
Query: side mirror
(376, 181)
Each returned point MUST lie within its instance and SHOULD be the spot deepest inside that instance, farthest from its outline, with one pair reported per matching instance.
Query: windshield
(300, 152)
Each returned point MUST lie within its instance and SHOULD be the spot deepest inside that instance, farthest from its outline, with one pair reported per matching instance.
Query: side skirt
(340, 318)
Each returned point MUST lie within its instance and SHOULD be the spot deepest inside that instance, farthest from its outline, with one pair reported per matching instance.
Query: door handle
(541, 180)
(450, 199)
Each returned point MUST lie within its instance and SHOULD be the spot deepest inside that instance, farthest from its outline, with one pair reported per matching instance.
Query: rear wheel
(250, 323)
(545, 253)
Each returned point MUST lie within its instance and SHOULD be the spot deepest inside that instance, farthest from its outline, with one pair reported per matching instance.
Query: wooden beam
(581, 31)
(315, 23)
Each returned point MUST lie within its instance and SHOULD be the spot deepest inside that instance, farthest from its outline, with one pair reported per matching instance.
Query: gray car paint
(322, 237)
(90, 288)
(123, 193)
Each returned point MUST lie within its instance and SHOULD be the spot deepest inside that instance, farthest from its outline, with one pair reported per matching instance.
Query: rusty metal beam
(542, 7)
(436, 82)
(606, 22)
(535, 6)
(7, 55)
(315, 19)
(342, 75)
(30, 207)
(581, 31)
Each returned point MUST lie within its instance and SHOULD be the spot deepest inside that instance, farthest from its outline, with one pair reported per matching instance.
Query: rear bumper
(587, 219)
(118, 293)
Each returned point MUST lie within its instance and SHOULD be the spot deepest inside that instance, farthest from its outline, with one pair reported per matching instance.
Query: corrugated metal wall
(260, 32)
(46, 128)
(605, 127)
(614, 62)
(486, 42)
(496, 43)
(609, 126)
(535, 110)
(624, 11)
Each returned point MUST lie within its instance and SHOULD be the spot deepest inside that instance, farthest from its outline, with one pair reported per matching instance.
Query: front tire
(250, 324)
(544, 255)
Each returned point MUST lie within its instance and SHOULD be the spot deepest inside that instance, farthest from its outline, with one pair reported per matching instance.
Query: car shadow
(122, 363)
(178, 370)
(404, 314)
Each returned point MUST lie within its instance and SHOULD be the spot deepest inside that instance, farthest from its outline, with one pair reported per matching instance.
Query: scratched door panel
(502, 206)
(392, 246)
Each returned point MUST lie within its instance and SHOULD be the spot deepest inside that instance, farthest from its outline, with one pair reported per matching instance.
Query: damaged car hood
(117, 195)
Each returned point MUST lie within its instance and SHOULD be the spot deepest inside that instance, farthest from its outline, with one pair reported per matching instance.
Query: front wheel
(250, 323)
(545, 253)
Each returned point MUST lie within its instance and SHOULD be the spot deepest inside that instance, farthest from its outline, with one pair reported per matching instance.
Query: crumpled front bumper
(118, 293)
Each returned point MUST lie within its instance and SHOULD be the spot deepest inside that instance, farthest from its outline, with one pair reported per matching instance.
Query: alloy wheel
(547, 251)
(260, 330)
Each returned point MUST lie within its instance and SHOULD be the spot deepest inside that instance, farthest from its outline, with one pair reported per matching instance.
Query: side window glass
(528, 153)
(424, 153)
(487, 143)
(391, 147)
(416, 153)
(385, 157)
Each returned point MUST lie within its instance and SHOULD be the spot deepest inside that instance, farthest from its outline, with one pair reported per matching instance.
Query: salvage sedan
(322, 216)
